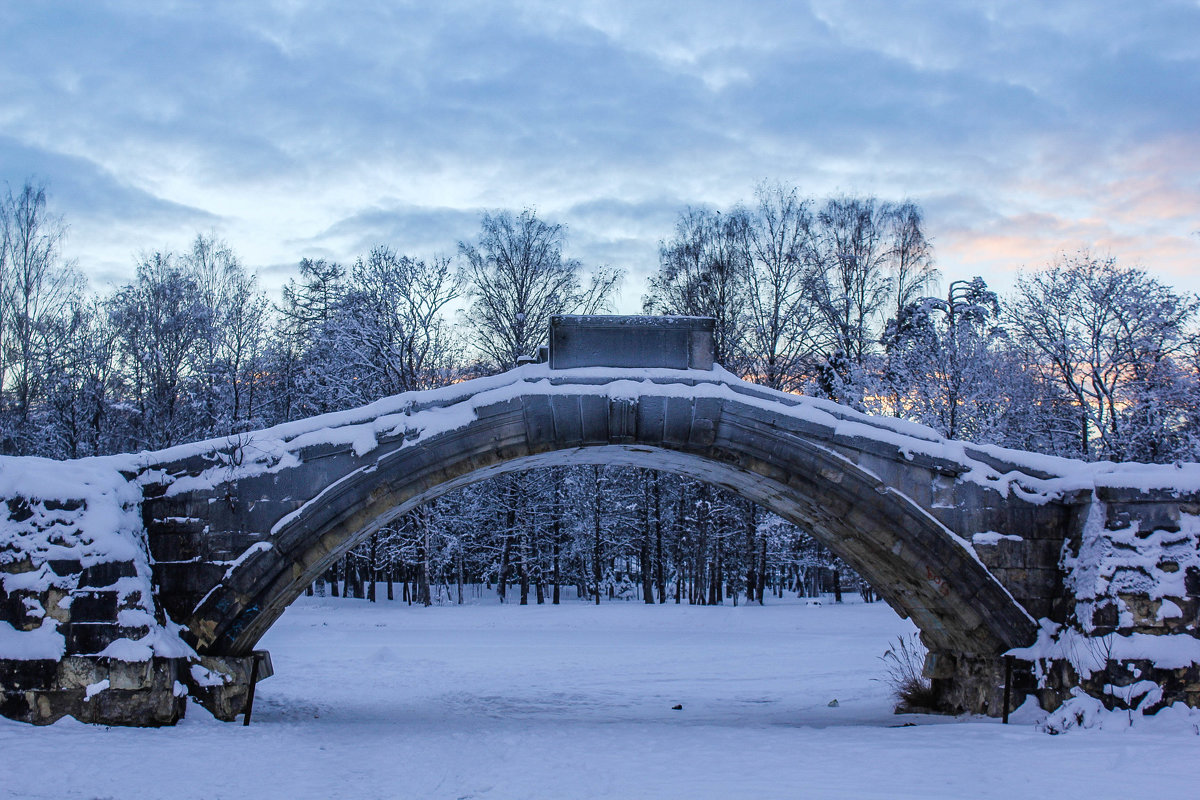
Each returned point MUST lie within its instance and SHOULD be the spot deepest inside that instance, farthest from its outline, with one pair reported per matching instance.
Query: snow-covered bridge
(126, 578)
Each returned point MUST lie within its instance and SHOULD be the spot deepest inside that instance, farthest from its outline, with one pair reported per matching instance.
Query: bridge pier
(82, 631)
(221, 684)
(966, 684)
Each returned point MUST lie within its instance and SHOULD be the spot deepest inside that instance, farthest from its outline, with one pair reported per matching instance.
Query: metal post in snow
(254, 680)
(1008, 662)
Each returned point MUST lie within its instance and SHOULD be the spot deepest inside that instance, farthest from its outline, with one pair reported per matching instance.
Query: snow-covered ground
(574, 701)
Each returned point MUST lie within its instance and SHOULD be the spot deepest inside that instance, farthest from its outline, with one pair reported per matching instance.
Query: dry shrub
(903, 663)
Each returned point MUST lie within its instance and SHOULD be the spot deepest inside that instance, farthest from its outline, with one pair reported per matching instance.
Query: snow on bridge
(130, 580)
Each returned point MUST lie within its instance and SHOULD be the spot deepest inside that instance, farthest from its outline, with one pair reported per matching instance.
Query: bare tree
(704, 271)
(162, 323)
(850, 282)
(1100, 328)
(233, 347)
(913, 273)
(393, 326)
(517, 278)
(35, 286)
(782, 336)
(81, 380)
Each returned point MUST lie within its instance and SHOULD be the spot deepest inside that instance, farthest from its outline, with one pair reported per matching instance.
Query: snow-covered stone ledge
(1131, 636)
(81, 633)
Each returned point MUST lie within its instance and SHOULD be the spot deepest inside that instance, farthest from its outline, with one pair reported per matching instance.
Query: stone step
(100, 576)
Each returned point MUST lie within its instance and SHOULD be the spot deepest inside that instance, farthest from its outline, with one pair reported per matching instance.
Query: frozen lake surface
(575, 701)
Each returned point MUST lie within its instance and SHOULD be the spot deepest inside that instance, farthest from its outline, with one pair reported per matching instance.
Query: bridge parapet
(631, 341)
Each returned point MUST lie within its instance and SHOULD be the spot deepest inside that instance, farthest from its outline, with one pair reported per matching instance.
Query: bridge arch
(748, 441)
(970, 541)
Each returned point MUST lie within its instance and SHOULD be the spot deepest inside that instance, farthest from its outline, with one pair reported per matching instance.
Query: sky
(318, 129)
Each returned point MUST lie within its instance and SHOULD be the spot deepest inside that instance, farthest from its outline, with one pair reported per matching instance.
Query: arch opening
(916, 565)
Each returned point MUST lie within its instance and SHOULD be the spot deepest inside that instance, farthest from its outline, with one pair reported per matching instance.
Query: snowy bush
(1081, 711)
(1084, 712)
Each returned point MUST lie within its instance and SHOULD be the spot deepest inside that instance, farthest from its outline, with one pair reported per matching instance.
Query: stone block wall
(81, 633)
(1131, 636)
(1136, 567)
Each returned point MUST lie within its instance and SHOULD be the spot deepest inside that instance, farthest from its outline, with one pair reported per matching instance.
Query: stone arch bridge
(127, 579)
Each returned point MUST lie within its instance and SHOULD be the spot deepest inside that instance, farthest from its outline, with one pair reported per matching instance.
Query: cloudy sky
(297, 128)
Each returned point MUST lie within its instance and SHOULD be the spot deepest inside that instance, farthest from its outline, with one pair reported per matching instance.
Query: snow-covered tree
(162, 324)
(1111, 336)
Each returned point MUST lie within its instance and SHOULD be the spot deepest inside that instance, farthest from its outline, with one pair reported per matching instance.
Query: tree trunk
(556, 533)
(1083, 430)
(751, 552)
(647, 573)
(421, 592)
(658, 542)
(581, 588)
(866, 591)
(714, 577)
(510, 522)
(523, 569)
(373, 568)
(538, 584)
(557, 572)
(458, 572)
(647, 562)
(762, 568)
(354, 582)
(701, 563)
(596, 566)
(426, 597)
(502, 578)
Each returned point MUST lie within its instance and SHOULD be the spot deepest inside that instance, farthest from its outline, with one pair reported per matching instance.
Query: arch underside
(921, 568)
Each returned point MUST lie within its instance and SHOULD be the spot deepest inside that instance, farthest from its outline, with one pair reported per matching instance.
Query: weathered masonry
(130, 582)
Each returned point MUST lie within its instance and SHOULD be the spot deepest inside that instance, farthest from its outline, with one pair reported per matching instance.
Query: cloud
(419, 231)
(109, 221)
(311, 127)
(81, 187)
